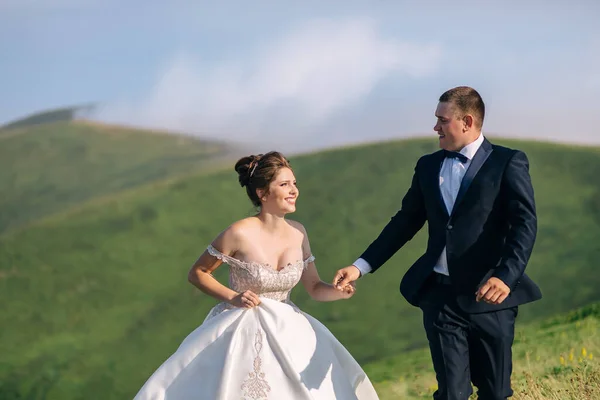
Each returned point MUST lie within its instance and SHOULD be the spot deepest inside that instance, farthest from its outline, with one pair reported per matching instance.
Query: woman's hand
(247, 299)
(348, 290)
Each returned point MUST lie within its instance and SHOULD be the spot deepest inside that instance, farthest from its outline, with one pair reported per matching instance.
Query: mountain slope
(98, 296)
(64, 114)
(49, 167)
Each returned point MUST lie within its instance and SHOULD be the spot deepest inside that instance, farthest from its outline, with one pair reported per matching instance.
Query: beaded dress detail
(260, 278)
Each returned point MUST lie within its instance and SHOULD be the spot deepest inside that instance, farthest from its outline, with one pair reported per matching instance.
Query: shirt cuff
(363, 266)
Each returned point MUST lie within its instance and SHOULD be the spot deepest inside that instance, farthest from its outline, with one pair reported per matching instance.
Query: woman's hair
(258, 171)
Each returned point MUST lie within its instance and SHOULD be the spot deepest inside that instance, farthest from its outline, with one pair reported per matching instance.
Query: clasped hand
(347, 290)
(345, 278)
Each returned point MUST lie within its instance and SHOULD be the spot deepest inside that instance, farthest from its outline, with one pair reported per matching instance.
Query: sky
(304, 75)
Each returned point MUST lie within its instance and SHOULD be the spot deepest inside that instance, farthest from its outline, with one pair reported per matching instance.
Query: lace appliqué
(260, 278)
(256, 387)
(217, 254)
(251, 266)
(308, 261)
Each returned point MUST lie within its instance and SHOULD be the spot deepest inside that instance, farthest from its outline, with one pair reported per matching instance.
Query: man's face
(451, 131)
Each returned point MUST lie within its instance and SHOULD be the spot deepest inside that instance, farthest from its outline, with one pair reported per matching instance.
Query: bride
(256, 344)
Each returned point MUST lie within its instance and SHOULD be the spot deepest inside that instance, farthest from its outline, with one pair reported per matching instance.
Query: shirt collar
(470, 149)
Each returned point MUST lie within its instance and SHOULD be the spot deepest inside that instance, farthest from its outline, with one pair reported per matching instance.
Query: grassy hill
(49, 167)
(64, 114)
(554, 359)
(97, 297)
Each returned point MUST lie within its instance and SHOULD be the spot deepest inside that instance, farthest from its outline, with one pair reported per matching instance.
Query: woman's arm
(200, 275)
(316, 288)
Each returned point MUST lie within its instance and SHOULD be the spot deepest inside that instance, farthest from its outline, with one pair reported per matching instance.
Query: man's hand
(345, 276)
(494, 291)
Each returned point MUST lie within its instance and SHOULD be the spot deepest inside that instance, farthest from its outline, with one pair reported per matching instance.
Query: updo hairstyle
(258, 171)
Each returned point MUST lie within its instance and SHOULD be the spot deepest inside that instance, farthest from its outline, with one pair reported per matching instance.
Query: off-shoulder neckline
(235, 261)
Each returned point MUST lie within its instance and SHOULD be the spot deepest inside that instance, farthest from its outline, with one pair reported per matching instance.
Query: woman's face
(283, 193)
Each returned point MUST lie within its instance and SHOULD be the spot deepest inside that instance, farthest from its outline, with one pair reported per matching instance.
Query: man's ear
(468, 121)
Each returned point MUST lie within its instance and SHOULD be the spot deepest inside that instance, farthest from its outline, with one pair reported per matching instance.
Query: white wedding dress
(270, 352)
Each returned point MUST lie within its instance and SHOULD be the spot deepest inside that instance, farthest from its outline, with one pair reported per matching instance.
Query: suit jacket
(490, 232)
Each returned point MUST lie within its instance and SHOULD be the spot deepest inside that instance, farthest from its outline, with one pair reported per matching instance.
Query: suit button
(449, 227)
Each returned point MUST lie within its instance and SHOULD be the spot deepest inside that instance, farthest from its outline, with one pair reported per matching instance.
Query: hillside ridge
(87, 287)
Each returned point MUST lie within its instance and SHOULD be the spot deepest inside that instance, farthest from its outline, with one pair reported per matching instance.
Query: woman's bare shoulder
(238, 232)
(297, 226)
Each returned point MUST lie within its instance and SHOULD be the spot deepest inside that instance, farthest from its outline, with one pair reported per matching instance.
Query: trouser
(467, 348)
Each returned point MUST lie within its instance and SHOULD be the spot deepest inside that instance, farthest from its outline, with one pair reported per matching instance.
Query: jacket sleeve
(522, 220)
(401, 228)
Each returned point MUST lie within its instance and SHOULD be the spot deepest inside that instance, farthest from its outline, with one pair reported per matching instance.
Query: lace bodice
(260, 278)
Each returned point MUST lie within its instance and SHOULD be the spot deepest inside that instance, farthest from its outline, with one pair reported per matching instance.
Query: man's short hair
(467, 101)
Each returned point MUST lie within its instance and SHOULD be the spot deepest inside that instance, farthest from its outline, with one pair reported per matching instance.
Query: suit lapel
(436, 166)
(478, 160)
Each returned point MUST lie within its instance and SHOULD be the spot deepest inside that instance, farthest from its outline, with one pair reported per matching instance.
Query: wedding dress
(270, 352)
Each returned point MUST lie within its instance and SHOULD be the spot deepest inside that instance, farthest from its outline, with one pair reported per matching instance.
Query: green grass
(97, 297)
(554, 359)
(47, 168)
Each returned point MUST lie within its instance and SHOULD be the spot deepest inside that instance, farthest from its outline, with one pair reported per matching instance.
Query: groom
(478, 203)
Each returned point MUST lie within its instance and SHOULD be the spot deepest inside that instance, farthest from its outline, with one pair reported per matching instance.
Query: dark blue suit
(490, 232)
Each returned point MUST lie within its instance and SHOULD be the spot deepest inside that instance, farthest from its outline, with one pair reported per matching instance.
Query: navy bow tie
(455, 154)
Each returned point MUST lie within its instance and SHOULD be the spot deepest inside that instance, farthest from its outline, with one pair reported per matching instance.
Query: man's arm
(402, 227)
(522, 220)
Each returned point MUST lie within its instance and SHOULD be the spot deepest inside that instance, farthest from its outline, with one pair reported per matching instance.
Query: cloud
(290, 86)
